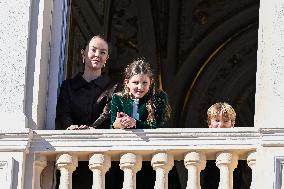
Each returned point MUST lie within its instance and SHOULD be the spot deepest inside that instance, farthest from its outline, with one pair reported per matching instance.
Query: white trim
(57, 74)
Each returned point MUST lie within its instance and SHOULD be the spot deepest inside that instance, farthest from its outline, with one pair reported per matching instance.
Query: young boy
(221, 115)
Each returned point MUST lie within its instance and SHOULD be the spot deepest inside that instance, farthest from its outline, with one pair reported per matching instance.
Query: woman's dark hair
(93, 37)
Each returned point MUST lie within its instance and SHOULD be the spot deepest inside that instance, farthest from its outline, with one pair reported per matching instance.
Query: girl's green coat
(120, 103)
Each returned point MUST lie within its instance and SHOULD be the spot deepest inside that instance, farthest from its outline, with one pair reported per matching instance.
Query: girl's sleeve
(160, 114)
(63, 111)
(115, 106)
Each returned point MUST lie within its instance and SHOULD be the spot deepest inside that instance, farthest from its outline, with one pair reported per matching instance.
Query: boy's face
(220, 122)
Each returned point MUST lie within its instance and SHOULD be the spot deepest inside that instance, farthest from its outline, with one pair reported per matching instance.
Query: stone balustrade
(131, 147)
(131, 163)
(37, 153)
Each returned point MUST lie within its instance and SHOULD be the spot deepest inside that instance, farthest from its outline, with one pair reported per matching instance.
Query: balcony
(160, 146)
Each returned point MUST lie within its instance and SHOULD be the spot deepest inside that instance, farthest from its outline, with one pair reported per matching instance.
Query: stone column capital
(131, 161)
(67, 161)
(162, 160)
(99, 161)
(197, 159)
(227, 158)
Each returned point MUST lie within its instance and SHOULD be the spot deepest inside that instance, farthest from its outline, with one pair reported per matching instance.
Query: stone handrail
(160, 146)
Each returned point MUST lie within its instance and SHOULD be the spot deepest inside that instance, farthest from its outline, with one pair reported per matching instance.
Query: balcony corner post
(40, 163)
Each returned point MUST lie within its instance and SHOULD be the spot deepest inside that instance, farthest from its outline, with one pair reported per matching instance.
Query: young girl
(140, 105)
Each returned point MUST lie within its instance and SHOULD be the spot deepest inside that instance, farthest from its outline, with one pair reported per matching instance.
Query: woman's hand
(78, 127)
(72, 127)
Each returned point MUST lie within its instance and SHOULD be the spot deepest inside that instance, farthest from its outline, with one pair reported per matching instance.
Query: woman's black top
(84, 103)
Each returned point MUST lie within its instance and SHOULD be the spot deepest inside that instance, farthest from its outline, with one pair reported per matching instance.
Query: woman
(82, 100)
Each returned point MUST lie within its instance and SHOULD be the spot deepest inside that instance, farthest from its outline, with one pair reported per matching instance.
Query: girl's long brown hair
(140, 66)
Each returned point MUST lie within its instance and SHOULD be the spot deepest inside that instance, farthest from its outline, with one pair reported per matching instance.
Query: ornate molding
(15, 140)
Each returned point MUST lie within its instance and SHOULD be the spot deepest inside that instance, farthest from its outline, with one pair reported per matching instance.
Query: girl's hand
(123, 121)
(118, 121)
(128, 122)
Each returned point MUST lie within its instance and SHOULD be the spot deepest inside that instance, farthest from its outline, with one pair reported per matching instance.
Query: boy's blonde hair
(223, 108)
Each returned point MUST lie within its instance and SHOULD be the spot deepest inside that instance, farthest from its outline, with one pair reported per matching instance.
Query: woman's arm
(63, 111)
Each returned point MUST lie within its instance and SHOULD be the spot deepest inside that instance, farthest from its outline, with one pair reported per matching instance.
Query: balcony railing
(131, 147)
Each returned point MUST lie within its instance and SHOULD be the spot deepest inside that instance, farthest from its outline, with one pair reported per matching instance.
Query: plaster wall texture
(269, 99)
(14, 33)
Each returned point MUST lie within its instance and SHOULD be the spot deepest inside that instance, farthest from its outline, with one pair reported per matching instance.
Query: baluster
(226, 162)
(194, 163)
(66, 163)
(99, 164)
(162, 163)
(130, 163)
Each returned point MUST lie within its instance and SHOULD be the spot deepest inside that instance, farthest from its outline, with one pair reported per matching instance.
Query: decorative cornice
(272, 137)
(15, 140)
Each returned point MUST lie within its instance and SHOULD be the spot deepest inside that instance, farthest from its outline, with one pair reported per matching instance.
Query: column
(226, 162)
(99, 165)
(39, 164)
(130, 163)
(194, 163)
(251, 160)
(269, 97)
(66, 163)
(162, 163)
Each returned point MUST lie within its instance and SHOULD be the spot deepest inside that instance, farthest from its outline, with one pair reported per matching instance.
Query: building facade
(33, 52)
